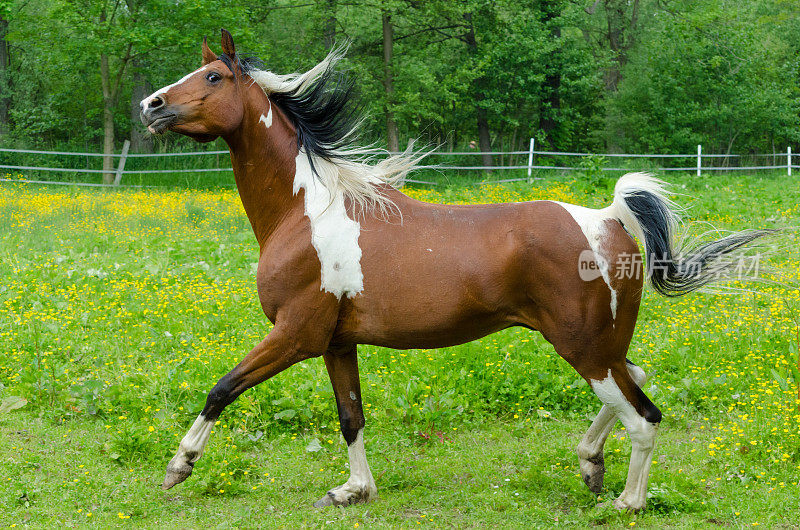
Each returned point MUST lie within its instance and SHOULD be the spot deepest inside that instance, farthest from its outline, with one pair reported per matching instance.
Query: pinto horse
(347, 259)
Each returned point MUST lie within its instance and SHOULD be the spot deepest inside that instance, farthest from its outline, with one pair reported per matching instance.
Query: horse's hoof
(327, 500)
(177, 472)
(619, 505)
(593, 470)
(343, 497)
(624, 506)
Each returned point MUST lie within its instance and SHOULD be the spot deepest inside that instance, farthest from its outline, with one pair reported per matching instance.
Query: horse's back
(449, 274)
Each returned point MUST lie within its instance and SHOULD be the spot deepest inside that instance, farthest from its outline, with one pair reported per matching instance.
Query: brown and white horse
(347, 259)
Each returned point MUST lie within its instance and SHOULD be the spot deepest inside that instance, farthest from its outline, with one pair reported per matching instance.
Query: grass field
(120, 309)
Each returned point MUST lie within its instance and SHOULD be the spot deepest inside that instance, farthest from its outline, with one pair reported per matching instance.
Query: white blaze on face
(146, 101)
(333, 234)
(593, 225)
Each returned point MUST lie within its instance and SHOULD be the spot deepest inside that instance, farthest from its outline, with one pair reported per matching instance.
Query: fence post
(121, 166)
(789, 160)
(699, 158)
(530, 161)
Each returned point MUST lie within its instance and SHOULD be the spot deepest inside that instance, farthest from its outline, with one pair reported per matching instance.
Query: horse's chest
(325, 263)
(280, 276)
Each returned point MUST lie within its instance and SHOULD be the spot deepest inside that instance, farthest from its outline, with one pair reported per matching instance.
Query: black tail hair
(677, 271)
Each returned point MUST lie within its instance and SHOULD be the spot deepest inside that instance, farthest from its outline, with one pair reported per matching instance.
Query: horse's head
(204, 104)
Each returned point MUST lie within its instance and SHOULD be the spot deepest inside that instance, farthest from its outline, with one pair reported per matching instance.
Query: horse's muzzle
(156, 122)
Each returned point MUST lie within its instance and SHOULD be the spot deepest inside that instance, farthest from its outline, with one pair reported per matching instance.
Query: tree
(392, 140)
(711, 76)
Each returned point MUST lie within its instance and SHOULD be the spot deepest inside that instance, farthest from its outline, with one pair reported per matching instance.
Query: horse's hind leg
(618, 391)
(342, 367)
(590, 449)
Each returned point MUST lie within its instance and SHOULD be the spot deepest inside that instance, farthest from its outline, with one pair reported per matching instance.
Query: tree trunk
(141, 140)
(392, 140)
(484, 140)
(329, 35)
(5, 82)
(620, 36)
(552, 82)
(108, 121)
(482, 117)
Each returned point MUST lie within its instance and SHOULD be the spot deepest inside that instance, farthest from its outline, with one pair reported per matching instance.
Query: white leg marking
(593, 225)
(642, 434)
(146, 101)
(192, 446)
(333, 234)
(189, 451)
(593, 441)
(590, 449)
(360, 486)
(638, 375)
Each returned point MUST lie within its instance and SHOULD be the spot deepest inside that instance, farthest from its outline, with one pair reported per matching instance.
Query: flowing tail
(674, 268)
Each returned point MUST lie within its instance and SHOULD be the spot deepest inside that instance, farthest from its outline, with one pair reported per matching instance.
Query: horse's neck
(262, 154)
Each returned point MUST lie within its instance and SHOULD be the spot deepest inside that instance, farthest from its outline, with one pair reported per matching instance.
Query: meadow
(120, 309)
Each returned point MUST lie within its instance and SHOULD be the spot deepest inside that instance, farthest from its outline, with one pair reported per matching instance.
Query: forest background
(654, 76)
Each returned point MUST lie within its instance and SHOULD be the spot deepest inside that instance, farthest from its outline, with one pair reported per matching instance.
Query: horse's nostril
(156, 102)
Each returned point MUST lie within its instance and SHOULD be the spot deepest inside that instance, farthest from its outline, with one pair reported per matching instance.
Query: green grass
(120, 309)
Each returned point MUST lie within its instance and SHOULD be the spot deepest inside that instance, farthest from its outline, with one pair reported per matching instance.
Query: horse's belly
(427, 302)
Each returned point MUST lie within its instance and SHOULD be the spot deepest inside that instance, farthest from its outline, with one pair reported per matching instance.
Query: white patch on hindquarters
(333, 234)
(193, 444)
(146, 101)
(267, 120)
(593, 225)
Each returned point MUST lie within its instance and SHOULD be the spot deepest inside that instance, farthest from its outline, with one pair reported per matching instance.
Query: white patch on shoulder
(593, 225)
(333, 234)
(163, 90)
(267, 120)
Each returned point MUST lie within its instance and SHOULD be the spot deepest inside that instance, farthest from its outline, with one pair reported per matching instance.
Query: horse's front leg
(342, 367)
(278, 351)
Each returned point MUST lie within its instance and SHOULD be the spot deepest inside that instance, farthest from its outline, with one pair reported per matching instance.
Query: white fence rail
(121, 158)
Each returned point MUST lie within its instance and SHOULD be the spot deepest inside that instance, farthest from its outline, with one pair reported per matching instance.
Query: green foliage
(592, 168)
(723, 78)
(639, 76)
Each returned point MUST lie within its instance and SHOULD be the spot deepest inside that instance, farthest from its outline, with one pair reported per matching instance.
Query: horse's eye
(213, 77)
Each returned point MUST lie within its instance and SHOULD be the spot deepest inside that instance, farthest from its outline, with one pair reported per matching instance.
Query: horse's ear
(228, 47)
(208, 55)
